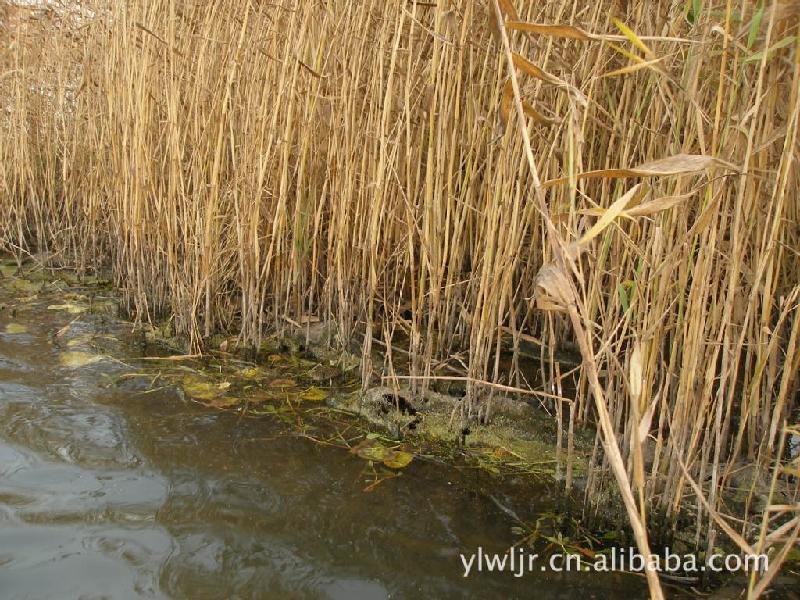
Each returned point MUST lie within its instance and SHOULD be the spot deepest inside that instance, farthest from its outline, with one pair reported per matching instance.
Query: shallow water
(109, 492)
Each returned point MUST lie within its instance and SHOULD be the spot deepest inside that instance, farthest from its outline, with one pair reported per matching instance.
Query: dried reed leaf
(654, 206)
(647, 417)
(507, 8)
(648, 64)
(526, 66)
(564, 31)
(611, 213)
(628, 33)
(508, 101)
(531, 69)
(536, 115)
(643, 210)
(547, 304)
(635, 370)
(634, 57)
(680, 164)
(310, 70)
(576, 33)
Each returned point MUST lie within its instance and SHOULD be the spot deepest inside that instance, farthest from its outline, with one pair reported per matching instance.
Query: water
(109, 492)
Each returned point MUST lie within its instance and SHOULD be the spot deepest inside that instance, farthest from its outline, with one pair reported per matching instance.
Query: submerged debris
(16, 329)
(78, 359)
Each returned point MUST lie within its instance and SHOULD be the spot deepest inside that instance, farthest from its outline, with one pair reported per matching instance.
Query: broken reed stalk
(237, 164)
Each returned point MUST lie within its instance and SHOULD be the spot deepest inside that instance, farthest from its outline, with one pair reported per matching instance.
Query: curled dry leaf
(553, 289)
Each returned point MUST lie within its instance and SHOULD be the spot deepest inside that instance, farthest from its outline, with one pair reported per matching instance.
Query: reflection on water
(114, 493)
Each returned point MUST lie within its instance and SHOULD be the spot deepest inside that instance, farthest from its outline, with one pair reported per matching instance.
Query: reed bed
(238, 164)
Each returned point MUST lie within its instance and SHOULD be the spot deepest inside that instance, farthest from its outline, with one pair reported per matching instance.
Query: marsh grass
(631, 192)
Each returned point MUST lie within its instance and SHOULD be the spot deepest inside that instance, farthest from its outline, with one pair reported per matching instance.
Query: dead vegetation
(448, 181)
